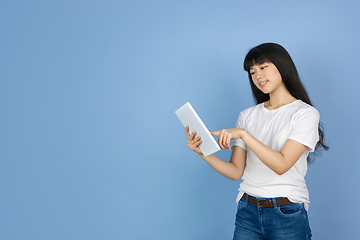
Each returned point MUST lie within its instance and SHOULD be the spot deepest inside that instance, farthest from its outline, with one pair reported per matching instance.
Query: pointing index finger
(216, 133)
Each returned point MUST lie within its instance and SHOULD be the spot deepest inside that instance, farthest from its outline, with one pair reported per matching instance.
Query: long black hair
(276, 54)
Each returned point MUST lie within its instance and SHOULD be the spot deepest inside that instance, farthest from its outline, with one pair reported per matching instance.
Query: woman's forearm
(271, 158)
(227, 169)
(268, 156)
(279, 162)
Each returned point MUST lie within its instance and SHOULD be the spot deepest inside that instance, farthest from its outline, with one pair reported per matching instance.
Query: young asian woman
(272, 143)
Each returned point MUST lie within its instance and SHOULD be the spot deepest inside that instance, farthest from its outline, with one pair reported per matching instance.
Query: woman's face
(266, 77)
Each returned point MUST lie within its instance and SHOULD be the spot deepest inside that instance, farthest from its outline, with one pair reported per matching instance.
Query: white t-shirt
(297, 121)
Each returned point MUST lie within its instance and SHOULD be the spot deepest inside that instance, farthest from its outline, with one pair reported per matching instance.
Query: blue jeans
(289, 222)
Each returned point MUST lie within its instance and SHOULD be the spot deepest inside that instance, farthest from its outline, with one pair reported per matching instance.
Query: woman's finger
(194, 144)
(225, 140)
(216, 133)
(228, 139)
(196, 141)
(193, 134)
(190, 136)
(187, 131)
(221, 139)
(193, 141)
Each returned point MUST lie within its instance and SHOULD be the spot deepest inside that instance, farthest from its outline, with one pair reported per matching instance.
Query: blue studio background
(91, 147)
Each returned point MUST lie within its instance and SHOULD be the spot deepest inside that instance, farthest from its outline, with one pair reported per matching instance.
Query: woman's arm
(279, 162)
(233, 169)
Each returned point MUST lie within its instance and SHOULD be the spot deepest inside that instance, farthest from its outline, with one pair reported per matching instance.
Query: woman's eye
(263, 67)
(252, 73)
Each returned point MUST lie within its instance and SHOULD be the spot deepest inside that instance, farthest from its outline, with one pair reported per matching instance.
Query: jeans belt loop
(274, 202)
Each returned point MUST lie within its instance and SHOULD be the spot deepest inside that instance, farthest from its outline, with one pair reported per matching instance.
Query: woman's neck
(278, 99)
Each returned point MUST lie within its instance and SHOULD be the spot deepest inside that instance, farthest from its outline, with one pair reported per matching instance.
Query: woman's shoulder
(301, 108)
(303, 105)
(249, 110)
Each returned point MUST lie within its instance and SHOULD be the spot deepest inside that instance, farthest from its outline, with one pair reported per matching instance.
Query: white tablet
(188, 116)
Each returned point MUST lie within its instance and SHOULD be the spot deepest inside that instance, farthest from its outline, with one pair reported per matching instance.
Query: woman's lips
(262, 83)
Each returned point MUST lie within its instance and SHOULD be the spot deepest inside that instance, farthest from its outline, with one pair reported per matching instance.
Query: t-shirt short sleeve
(240, 123)
(304, 127)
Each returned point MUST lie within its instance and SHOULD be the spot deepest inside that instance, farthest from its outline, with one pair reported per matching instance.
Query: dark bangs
(254, 57)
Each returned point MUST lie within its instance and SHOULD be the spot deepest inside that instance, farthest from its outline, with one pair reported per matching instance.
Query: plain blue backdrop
(91, 147)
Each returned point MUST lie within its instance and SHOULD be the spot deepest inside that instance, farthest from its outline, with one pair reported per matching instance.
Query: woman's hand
(226, 135)
(192, 142)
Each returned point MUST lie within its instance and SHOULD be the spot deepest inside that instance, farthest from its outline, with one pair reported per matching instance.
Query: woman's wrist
(243, 134)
